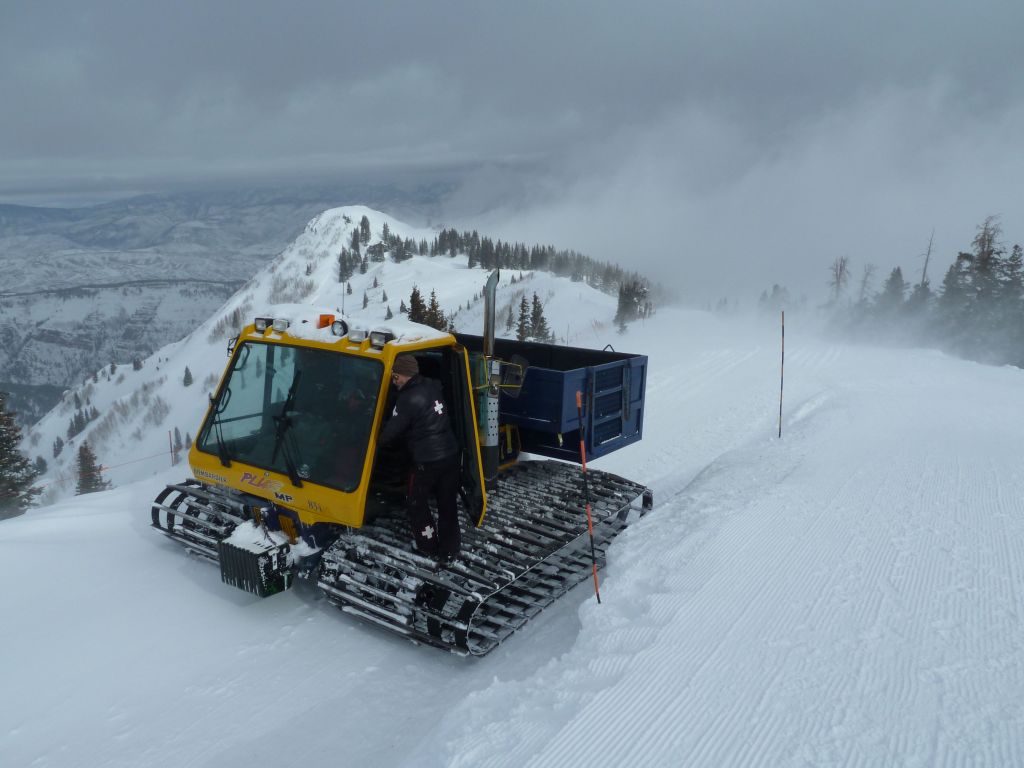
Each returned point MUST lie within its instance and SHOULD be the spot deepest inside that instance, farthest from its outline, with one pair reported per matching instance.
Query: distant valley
(85, 287)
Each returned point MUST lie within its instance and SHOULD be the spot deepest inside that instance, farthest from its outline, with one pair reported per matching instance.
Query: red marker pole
(586, 496)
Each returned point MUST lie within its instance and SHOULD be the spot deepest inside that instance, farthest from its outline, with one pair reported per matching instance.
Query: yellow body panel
(314, 503)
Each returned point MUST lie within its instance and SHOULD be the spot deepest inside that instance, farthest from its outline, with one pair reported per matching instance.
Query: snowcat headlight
(281, 325)
(325, 321)
(262, 323)
(379, 338)
(339, 328)
(358, 335)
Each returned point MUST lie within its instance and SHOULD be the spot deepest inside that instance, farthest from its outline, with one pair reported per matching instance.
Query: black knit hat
(405, 365)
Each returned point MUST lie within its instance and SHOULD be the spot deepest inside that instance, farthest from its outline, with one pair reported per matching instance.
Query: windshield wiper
(283, 424)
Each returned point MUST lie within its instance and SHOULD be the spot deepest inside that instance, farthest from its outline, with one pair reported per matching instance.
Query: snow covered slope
(139, 410)
(847, 595)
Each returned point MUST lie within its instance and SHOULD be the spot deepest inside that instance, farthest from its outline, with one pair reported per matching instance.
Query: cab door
(464, 424)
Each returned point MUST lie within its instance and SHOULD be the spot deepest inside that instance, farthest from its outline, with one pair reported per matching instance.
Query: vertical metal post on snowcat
(489, 445)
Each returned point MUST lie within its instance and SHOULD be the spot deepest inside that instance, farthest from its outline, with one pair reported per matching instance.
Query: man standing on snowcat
(420, 416)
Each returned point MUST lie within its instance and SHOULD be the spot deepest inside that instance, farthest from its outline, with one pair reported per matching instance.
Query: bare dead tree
(865, 282)
(839, 276)
(927, 257)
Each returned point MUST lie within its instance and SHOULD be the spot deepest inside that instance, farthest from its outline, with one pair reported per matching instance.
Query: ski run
(847, 595)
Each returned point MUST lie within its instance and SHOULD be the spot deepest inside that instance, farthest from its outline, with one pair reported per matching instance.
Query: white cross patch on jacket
(438, 407)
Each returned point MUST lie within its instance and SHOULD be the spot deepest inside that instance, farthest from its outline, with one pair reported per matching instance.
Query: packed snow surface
(849, 594)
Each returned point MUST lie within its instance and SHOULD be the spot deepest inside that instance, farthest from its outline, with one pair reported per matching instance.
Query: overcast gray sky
(721, 145)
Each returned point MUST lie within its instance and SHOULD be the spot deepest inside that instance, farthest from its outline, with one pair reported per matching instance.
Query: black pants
(440, 479)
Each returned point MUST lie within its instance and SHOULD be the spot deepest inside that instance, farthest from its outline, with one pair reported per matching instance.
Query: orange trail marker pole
(586, 496)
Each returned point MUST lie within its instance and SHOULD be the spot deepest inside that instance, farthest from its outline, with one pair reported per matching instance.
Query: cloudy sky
(722, 146)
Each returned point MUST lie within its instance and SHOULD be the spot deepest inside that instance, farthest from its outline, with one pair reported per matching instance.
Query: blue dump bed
(540, 382)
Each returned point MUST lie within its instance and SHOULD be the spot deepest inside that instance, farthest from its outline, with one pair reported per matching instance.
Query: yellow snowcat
(289, 481)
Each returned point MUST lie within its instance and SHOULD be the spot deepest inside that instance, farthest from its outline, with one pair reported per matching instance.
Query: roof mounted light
(357, 335)
(380, 337)
(325, 321)
(281, 324)
(339, 328)
(262, 323)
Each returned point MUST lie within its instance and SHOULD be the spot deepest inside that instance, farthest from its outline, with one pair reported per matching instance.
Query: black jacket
(421, 416)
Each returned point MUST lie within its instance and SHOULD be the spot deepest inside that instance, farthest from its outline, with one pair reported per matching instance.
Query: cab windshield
(305, 413)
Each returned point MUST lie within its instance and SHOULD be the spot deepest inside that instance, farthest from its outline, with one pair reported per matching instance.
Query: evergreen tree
(40, 465)
(538, 323)
(402, 309)
(354, 244)
(510, 319)
(366, 300)
(348, 289)
(58, 446)
(17, 473)
(417, 309)
(384, 297)
(890, 300)
(364, 230)
(188, 441)
(136, 364)
(177, 440)
(364, 264)
(435, 316)
(90, 478)
(523, 327)
(389, 314)
(187, 378)
(955, 301)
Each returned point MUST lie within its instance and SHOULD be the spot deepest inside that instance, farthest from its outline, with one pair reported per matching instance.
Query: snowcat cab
(289, 481)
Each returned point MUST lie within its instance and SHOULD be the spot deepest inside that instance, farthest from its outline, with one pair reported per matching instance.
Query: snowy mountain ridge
(141, 414)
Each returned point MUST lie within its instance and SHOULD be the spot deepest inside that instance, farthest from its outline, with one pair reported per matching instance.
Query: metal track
(197, 516)
(532, 548)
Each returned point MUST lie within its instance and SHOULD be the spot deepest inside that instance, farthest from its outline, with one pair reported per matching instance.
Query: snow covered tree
(58, 446)
(510, 319)
(17, 473)
(41, 465)
(366, 300)
(389, 314)
(90, 478)
(136, 364)
(348, 289)
(364, 230)
(402, 308)
(187, 378)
